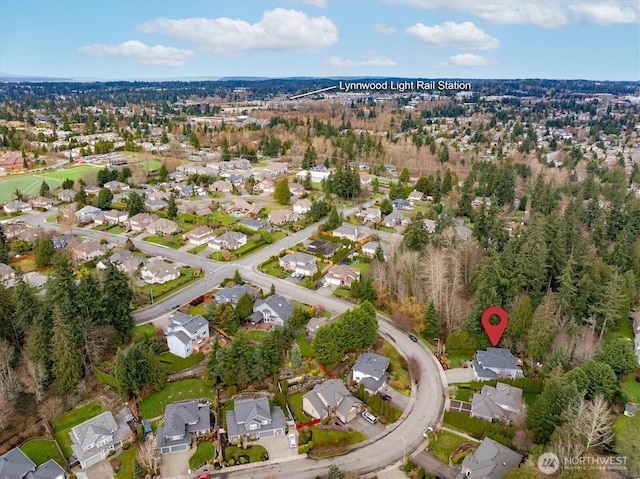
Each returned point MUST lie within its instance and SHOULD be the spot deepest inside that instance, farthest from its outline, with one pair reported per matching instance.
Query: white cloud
(462, 35)
(315, 3)
(370, 59)
(465, 60)
(278, 29)
(545, 14)
(145, 54)
(382, 28)
(605, 14)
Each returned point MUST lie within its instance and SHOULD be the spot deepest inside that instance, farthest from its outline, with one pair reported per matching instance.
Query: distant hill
(9, 77)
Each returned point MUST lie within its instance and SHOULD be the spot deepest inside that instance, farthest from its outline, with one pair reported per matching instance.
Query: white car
(292, 441)
(427, 431)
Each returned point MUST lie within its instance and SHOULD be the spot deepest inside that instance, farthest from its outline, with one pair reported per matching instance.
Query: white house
(157, 271)
(199, 236)
(495, 363)
(17, 206)
(300, 263)
(274, 310)
(370, 370)
(231, 240)
(316, 176)
(302, 206)
(185, 330)
(369, 249)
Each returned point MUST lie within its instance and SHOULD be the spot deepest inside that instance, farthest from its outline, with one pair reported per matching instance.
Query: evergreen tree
(135, 204)
(505, 190)
(244, 306)
(310, 157)
(466, 196)
(43, 250)
(116, 299)
(617, 353)
(404, 176)
(45, 190)
(193, 139)
(520, 323)
(334, 220)
(81, 197)
(272, 290)
(443, 155)
(237, 278)
(379, 253)
(430, 323)
(282, 193)
(4, 249)
(386, 206)
(375, 184)
(172, 207)
(105, 198)
(437, 190)
(543, 329)
(447, 182)
(224, 317)
(416, 236)
(306, 183)
(163, 173)
(67, 361)
(296, 357)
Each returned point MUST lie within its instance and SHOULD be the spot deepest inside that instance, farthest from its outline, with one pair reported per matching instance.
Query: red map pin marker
(494, 331)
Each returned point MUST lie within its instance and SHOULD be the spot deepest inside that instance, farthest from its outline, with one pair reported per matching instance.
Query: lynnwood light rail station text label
(404, 85)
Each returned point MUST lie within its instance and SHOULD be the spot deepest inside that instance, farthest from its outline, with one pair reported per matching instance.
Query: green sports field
(30, 183)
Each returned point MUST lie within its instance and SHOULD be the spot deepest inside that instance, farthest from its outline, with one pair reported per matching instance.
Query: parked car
(369, 417)
(427, 431)
(384, 397)
(413, 338)
(292, 441)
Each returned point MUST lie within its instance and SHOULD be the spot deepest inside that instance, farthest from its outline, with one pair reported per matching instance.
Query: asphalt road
(428, 394)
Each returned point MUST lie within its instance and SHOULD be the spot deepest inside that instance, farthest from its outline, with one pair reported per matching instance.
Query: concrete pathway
(459, 375)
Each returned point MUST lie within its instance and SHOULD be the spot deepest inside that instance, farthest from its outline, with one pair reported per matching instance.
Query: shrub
(126, 446)
(461, 343)
(459, 457)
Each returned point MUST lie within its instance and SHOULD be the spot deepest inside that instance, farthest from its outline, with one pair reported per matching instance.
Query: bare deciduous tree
(566, 443)
(415, 368)
(593, 421)
(35, 380)
(147, 453)
(6, 412)
(9, 382)
(51, 407)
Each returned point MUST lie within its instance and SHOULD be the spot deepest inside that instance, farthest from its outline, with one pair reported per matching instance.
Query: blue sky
(156, 39)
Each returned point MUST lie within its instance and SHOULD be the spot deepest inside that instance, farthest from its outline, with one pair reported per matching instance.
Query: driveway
(102, 470)
(278, 446)
(176, 464)
(459, 375)
(365, 427)
(398, 399)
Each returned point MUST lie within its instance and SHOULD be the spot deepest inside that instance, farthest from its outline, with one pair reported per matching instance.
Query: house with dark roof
(183, 331)
(323, 248)
(254, 418)
(370, 370)
(331, 398)
(491, 460)
(15, 464)
(92, 440)
(495, 363)
(502, 403)
(255, 225)
(232, 295)
(274, 310)
(183, 421)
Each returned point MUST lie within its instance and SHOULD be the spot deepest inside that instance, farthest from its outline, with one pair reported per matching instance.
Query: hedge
(106, 378)
(528, 385)
(480, 428)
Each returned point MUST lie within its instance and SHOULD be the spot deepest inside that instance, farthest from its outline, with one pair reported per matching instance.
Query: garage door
(267, 434)
(182, 447)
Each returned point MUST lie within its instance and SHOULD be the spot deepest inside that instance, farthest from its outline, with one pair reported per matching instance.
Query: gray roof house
(348, 232)
(636, 334)
(124, 260)
(255, 225)
(87, 213)
(231, 240)
(66, 195)
(502, 402)
(181, 422)
(232, 295)
(369, 249)
(395, 218)
(15, 464)
(254, 418)
(300, 263)
(183, 331)
(275, 310)
(369, 370)
(491, 460)
(331, 398)
(495, 363)
(92, 440)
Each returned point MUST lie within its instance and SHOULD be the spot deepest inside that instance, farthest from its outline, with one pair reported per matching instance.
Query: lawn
(272, 268)
(170, 241)
(295, 403)
(144, 332)
(254, 452)
(172, 363)
(342, 292)
(222, 217)
(256, 334)
(64, 423)
(197, 249)
(199, 309)
(620, 420)
(127, 457)
(398, 372)
(204, 453)
(74, 173)
(159, 290)
(625, 330)
(154, 405)
(530, 398)
(223, 412)
(305, 347)
(456, 358)
(387, 229)
(463, 394)
(631, 387)
(117, 229)
(446, 442)
(26, 264)
(330, 438)
(362, 266)
(41, 450)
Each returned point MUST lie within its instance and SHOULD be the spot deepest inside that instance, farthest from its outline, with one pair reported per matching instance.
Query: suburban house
(296, 189)
(199, 236)
(636, 334)
(125, 261)
(265, 186)
(400, 204)
(502, 402)
(323, 248)
(490, 460)
(369, 249)
(140, 221)
(274, 310)
(241, 206)
(183, 331)
(348, 232)
(495, 363)
(67, 195)
(17, 206)
(220, 186)
(255, 225)
(370, 214)
(395, 218)
(86, 251)
(254, 418)
(370, 370)
(20, 231)
(158, 271)
(341, 275)
(92, 440)
(6, 272)
(163, 227)
(112, 217)
(42, 202)
(302, 206)
(155, 204)
(232, 295)
(15, 464)
(316, 175)
(116, 186)
(231, 240)
(414, 196)
(276, 169)
(281, 217)
(314, 324)
(86, 214)
(331, 398)
(300, 263)
(181, 422)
